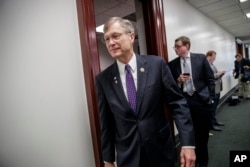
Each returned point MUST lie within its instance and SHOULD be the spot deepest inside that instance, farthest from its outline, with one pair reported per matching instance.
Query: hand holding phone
(187, 74)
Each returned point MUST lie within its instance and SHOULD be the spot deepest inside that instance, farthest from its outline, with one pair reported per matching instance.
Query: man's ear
(132, 37)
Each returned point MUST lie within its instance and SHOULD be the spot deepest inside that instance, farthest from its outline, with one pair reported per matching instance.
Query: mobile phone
(186, 74)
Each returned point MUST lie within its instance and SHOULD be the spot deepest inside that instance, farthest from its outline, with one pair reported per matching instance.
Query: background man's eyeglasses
(177, 46)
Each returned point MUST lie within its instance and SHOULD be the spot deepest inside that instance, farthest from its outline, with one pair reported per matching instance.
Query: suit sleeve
(178, 107)
(210, 80)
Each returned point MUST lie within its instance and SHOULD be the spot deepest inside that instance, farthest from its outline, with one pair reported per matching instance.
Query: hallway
(235, 135)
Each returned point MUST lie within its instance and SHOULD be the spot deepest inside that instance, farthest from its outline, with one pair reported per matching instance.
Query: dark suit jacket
(238, 67)
(125, 130)
(202, 74)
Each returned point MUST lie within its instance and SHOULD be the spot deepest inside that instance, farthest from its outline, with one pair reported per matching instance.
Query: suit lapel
(142, 73)
(178, 65)
(192, 62)
(117, 85)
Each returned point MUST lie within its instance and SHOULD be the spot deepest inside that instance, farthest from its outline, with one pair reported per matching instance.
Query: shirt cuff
(188, 147)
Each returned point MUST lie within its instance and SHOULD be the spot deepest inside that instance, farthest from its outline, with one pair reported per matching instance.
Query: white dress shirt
(122, 72)
(188, 61)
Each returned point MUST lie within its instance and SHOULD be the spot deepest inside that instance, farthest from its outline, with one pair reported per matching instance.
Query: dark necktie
(188, 84)
(131, 90)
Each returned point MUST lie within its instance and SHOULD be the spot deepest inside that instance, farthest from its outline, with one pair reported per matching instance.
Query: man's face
(213, 57)
(238, 58)
(180, 49)
(118, 42)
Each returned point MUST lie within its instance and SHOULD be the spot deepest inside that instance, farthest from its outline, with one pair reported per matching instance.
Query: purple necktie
(131, 90)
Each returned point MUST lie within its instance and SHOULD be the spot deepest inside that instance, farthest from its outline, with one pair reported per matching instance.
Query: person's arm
(109, 164)
(181, 114)
(209, 79)
(183, 78)
(219, 74)
(246, 65)
(179, 107)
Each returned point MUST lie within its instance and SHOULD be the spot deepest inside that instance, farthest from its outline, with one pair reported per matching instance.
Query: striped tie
(188, 84)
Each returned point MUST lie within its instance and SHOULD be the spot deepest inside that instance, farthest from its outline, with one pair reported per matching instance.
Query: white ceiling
(229, 14)
(108, 8)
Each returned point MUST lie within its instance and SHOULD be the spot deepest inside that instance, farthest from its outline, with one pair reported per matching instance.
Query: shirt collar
(188, 56)
(132, 64)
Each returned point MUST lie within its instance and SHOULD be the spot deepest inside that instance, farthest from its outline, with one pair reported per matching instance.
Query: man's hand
(246, 67)
(183, 78)
(210, 101)
(108, 164)
(187, 157)
(221, 73)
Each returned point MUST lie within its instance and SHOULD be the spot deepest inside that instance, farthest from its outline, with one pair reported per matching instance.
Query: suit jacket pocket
(204, 94)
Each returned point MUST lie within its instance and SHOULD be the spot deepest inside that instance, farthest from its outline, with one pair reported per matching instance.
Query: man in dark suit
(199, 89)
(134, 128)
(241, 66)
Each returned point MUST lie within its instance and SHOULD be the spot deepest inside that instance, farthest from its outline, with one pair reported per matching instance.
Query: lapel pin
(142, 69)
(115, 79)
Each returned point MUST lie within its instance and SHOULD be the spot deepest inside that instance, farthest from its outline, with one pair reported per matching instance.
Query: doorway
(151, 40)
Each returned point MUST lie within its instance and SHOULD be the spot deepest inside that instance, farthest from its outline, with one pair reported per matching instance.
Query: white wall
(44, 118)
(205, 34)
(248, 49)
(105, 58)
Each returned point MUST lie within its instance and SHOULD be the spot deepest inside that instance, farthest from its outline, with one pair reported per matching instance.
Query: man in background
(241, 65)
(211, 56)
(194, 76)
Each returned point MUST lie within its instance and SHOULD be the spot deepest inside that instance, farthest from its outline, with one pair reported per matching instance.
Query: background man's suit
(147, 128)
(238, 67)
(203, 80)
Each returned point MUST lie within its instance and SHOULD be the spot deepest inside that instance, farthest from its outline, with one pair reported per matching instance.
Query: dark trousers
(200, 113)
(213, 119)
(146, 161)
